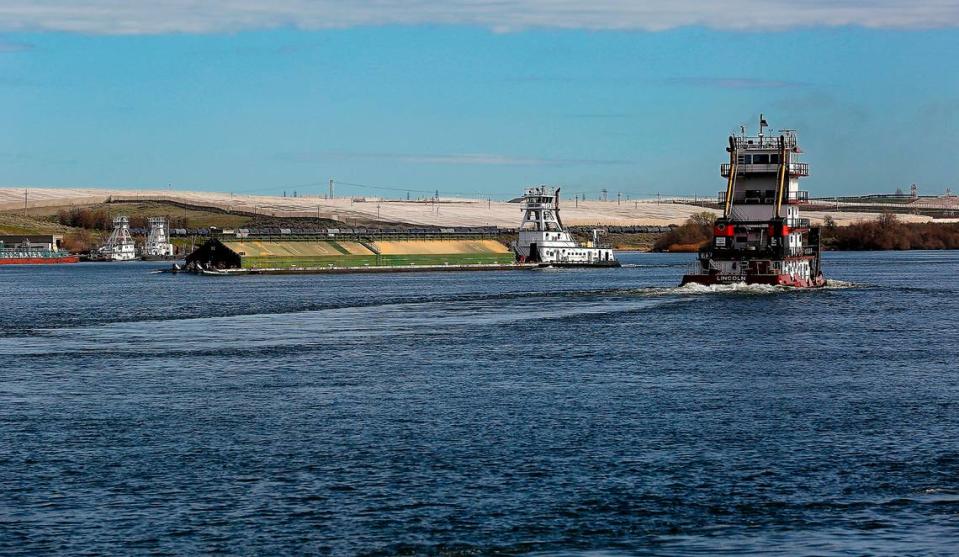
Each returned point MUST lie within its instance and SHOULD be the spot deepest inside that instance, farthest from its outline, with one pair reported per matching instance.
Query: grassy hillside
(18, 224)
(140, 211)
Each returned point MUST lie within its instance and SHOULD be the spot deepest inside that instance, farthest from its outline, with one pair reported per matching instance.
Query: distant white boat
(119, 246)
(542, 238)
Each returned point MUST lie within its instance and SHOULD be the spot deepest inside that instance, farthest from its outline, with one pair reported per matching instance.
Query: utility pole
(331, 189)
(25, 202)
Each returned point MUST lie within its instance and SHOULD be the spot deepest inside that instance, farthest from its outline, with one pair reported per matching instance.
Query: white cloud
(208, 16)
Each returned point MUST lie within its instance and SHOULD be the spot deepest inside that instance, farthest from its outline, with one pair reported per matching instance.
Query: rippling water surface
(541, 412)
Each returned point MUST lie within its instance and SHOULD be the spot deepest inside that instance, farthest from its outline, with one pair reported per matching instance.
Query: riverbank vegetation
(688, 237)
(889, 233)
(883, 233)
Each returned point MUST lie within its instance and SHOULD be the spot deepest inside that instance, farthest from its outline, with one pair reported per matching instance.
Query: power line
(388, 188)
(406, 189)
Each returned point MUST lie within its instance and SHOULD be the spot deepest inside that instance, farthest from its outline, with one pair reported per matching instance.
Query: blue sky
(470, 106)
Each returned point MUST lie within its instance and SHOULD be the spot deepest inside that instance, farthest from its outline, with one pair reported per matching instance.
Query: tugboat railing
(756, 254)
(795, 169)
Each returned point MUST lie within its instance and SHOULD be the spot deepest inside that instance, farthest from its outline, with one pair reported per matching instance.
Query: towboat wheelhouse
(761, 238)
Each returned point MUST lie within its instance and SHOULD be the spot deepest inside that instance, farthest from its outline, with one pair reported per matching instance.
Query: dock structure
(328, 249)
(47, 242)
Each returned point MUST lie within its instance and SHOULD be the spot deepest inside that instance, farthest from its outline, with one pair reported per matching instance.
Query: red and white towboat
(760, 238)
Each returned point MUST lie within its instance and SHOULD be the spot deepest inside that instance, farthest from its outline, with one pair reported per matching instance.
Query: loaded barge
(542, 242)
(348, 250)
(761, 238)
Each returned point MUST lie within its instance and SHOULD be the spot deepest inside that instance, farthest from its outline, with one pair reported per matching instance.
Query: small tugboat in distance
(760, 238)
(158, 246)
(119, 246)
(542, 238)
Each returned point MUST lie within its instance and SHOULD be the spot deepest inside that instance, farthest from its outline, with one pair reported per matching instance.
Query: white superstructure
(119, 246)
(158, 240)
(543, 239)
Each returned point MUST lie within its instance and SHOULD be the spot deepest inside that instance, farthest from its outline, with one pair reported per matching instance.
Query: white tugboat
(119, 246)
(542, 238)
(158, 246)
(760, 238)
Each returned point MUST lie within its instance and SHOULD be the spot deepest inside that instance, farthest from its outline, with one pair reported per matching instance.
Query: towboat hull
(770, 280)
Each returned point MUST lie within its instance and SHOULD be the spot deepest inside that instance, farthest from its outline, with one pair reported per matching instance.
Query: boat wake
(743, 288)
(836, 284)
(738, 287)
(652, 265)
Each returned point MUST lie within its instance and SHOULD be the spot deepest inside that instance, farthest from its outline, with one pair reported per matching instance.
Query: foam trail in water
(651, 265)
(330, 326)
(695, 288)
(833, 283)
(743, 288)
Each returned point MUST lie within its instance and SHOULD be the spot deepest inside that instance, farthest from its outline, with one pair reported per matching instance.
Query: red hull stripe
(37, 260)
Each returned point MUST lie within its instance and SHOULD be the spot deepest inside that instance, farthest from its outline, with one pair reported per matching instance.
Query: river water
(547, 412)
